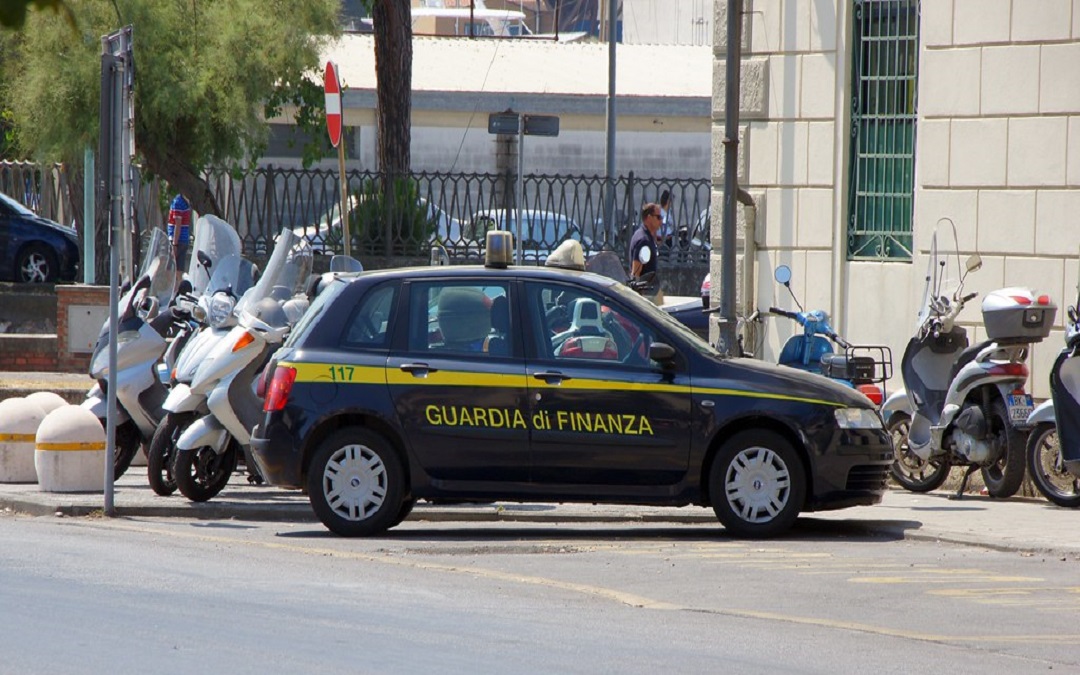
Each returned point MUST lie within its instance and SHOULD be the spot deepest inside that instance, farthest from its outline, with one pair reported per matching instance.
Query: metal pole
(731, 179)
(346, 232)
(520, 186)
(111, 149)
(89, 217)
(609, 151)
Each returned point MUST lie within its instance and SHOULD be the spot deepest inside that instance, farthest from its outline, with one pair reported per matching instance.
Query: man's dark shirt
(641, 238)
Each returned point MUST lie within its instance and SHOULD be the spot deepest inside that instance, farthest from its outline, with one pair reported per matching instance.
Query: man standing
(643, 251)
(179, 231)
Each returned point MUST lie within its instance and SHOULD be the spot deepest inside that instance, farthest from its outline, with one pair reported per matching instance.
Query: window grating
(885, 65)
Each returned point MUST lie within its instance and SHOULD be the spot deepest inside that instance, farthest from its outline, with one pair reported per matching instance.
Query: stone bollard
(70, 451)
(19, 422)
(48, 400)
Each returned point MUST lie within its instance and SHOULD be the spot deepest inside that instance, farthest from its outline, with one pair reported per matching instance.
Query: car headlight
(857, 418)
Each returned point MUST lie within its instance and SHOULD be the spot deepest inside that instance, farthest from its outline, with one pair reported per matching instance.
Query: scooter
(965, 405)
(208, 450)
(1053, 448)
(143, 323)
(221, 285)
(864, 367)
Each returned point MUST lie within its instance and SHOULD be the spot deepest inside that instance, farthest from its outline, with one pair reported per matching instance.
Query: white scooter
(220, 277)
(1053, 449)
(207, 451)
(142, 326)
(965, 405)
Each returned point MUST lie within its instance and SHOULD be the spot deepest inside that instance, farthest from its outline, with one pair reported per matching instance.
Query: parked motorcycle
(220, 277)
(143, 322)
(865, 367)
(208, 450)
(965, 405)
(1053, 448)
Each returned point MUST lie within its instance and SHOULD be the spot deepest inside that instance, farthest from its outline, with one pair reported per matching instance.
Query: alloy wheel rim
(757, 484)
(35, 268)
(1052, 467)
(355, 482)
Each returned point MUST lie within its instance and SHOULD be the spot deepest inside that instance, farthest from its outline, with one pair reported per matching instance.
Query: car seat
(586, 337)
(464, 319)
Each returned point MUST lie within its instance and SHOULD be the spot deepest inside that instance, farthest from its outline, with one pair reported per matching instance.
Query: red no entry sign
(332, 87)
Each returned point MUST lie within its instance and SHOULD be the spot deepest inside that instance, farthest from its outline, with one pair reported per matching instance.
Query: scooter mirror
(782, 274)
(974, 262)
(204, 260)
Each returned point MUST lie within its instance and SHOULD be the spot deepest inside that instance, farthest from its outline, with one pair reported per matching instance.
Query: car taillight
(277, 394)
(872, 392)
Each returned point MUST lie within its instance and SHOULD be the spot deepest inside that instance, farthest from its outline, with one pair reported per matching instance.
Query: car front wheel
(757, 484)
(356, 483)
(36, 265)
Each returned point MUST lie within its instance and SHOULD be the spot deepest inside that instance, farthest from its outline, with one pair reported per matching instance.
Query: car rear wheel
(356, 483)
(36, 264)
(757, 484)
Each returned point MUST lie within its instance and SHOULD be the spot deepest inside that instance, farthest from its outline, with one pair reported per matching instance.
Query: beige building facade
(996, 149)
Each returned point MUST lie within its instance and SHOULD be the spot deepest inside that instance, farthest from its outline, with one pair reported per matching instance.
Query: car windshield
(670, 323)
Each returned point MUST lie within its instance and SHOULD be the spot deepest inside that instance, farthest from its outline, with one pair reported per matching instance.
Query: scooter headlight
(221, 309)
(858, 418)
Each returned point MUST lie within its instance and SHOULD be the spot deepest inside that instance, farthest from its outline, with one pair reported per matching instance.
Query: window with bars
(885, 66)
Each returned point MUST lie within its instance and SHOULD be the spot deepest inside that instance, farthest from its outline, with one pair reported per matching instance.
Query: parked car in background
(325, 235)
(35, 249)
(541, 233)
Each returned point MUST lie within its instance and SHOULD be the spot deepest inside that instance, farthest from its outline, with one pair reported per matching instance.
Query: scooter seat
(966, 357)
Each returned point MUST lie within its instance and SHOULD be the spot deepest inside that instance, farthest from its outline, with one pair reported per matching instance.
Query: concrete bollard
(48, 400)
(70, 451)
(19, 422)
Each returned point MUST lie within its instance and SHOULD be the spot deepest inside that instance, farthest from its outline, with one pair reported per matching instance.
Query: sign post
(510, 122)
(334, 125)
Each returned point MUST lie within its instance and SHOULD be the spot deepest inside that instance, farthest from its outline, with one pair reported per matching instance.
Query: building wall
(998, 152)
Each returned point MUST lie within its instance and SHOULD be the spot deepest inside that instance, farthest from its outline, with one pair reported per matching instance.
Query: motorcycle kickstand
(963, 483)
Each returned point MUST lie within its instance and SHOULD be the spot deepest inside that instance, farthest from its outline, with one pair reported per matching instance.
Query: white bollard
(48, 400)
(19, 422)
(70, 451)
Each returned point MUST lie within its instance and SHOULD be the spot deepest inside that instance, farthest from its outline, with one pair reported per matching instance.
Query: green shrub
(395, 215)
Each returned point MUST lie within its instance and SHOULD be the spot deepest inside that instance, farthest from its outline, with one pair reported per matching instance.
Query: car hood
(45, 222)
(769, 378)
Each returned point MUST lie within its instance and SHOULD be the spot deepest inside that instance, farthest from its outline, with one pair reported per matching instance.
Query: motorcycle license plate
(1020, 407)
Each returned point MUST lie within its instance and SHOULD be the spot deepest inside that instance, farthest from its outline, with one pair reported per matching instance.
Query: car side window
(369, 325)
(577, 324)
(460, 317)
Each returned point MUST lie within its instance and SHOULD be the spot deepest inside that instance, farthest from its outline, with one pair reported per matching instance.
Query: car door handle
(418, 369)
(551, 376)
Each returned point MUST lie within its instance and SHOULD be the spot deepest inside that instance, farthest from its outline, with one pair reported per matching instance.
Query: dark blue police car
(542, 385)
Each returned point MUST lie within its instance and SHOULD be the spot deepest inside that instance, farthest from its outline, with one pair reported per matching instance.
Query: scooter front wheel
(909, 470)
(159, 463)
(128, 442)
(202, 473)
(1004, 478)
(1047, 469)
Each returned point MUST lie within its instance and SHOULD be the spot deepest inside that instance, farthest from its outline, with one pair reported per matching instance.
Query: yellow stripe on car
(335, 373)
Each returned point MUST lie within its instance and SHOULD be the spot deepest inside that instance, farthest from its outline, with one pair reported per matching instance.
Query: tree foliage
(13, 12)
(206, 73)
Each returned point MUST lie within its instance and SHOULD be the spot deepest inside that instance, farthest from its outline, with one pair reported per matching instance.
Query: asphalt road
(91, 595)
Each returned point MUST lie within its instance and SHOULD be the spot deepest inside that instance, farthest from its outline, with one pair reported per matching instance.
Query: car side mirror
(662, 352)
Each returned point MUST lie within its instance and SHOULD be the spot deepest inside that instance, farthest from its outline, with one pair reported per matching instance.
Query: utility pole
(609, 152)
(728, 319)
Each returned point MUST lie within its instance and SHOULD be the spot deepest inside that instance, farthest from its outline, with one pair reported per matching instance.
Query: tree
(392, 21)
(13, 12)
(207, 72)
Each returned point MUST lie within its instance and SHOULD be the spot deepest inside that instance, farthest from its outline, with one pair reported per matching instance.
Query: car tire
(36, 264)
(356, 483)
(757, 484)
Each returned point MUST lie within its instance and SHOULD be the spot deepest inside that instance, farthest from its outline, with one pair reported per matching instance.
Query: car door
(602, 413)
(457, 378)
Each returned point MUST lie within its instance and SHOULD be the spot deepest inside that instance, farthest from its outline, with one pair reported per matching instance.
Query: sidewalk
(1011, 525)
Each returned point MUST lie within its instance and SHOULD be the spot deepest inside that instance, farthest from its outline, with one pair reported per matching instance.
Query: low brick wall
(76, 358)
(24, 353)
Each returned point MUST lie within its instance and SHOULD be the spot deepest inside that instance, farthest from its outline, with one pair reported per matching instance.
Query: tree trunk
(393, 72)
(181, 177)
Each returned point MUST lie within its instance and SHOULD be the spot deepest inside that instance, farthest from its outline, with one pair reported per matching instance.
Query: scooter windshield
(944, 275)
(286, 271)
(218, 240)
(159, 268)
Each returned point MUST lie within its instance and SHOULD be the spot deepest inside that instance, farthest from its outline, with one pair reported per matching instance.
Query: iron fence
(395, 220)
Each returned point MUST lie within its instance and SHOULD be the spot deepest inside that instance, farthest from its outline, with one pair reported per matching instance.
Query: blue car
(34, 249)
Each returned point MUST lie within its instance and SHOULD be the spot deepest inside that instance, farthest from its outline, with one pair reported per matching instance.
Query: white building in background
(966, 109)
